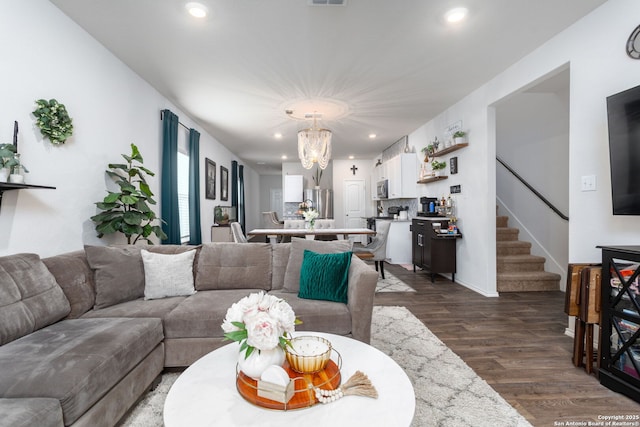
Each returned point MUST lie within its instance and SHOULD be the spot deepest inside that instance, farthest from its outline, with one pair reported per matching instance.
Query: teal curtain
(169, 182)
(195, 235)
(234, 184)
(241, 209)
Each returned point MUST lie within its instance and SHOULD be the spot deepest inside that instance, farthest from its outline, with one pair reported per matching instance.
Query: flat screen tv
(623, 110)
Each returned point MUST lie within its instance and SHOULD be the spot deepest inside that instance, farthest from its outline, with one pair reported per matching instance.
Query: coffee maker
(426, 204)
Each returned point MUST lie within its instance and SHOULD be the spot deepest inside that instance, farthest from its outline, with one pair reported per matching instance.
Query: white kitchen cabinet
(399, 242)
(403, 176)
(293, 188)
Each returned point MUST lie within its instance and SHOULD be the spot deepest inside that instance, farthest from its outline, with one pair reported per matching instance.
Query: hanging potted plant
(127, 211)
(438, 167)
(427, 151)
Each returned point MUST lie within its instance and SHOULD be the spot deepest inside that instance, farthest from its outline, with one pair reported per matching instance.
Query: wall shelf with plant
(6, 186)
(432, 179)
(450, 149)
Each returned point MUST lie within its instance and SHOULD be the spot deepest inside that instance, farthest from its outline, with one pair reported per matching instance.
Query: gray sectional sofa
(80, 344)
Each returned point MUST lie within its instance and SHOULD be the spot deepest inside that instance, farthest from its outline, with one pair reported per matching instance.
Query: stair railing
(533, 190)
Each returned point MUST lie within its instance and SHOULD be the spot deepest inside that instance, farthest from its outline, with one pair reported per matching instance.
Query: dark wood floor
(516, 343)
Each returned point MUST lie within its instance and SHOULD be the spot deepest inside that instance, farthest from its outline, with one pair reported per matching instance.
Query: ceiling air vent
(327, 2)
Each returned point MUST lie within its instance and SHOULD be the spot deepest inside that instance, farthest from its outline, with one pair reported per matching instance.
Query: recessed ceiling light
(197, 10)
(277, 135)
(456, 15)
(351, 157)
(372, 136)
(261, 163)
(284, 157)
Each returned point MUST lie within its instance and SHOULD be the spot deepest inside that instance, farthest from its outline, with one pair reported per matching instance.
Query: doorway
(355, 208)
(532, 141)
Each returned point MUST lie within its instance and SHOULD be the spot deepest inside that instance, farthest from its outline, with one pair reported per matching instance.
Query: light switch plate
(588, 183)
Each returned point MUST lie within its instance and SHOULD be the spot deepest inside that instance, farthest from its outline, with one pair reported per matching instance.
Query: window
(183, 185)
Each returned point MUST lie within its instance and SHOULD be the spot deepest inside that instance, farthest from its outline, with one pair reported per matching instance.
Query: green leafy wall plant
(128, 211)
(53, 120)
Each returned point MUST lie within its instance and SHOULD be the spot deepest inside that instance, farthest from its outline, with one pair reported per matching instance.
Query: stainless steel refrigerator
(322, 200)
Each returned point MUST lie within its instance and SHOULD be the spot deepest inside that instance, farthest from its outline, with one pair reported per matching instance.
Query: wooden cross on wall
(353, 169)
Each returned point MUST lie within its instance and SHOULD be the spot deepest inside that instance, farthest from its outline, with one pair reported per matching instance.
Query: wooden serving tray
(329, 379)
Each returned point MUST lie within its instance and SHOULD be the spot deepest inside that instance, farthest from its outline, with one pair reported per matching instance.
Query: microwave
(382, 189)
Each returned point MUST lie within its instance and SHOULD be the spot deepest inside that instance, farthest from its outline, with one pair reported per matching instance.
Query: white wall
(268, 183)
(594, 47)
(46, 55)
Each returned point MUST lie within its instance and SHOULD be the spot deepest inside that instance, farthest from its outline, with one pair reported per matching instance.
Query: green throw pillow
(325, 276)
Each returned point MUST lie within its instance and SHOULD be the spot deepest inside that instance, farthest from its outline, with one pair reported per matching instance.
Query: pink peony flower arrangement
(259, 321)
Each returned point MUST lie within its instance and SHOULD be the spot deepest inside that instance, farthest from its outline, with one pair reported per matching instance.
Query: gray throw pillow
(118, 273)
(29, 296)
(296, 255)
(168, 275)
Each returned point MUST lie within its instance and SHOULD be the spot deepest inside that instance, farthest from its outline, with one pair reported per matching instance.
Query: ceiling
(374, 66)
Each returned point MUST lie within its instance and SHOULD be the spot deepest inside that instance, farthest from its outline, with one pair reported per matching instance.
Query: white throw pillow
(168, 275)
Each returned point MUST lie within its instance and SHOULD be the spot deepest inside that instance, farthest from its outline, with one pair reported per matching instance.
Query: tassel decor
(358, 385)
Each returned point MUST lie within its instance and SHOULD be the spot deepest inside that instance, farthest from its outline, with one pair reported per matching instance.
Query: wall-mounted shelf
(449, 149)
(6, 186)
(432, 179)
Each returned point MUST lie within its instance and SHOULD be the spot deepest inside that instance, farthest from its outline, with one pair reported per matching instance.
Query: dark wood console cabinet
(620, 324)
(431, 251)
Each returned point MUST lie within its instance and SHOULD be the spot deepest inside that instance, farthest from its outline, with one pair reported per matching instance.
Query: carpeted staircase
(518, 270)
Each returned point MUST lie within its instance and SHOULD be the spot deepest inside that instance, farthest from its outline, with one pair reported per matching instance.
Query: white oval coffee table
(205, 394)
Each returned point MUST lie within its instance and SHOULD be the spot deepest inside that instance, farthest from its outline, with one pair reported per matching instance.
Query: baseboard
(475, 289)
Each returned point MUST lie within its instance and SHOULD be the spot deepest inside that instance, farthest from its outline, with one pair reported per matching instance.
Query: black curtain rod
(179, 122)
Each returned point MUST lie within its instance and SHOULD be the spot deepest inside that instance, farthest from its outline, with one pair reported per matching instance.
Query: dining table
(272, 234)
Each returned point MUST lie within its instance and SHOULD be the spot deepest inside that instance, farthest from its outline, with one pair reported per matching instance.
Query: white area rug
(391, 283)
(448, 392)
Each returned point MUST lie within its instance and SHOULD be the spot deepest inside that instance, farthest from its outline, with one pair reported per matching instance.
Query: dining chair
(325, 224)
(236, 232)
(271, 220)
(377, 247)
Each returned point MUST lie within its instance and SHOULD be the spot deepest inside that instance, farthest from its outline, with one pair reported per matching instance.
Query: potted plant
(11, 169)
(128, 211)
(7, 153)
(437, 167)
(17, 169)
(459, 137)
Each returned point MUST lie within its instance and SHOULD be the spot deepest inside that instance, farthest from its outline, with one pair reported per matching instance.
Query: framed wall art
(224, 183)
(453, 163)
(210, 186)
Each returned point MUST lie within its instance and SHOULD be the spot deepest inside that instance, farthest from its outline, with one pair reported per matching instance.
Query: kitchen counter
(399, 242)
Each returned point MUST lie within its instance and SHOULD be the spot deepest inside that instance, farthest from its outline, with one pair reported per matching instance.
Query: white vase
(4, 174)
(15, 178)
(254, 365)
(459, 140)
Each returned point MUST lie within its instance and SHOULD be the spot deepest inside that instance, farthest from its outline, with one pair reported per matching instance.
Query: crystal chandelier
(314, 146)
